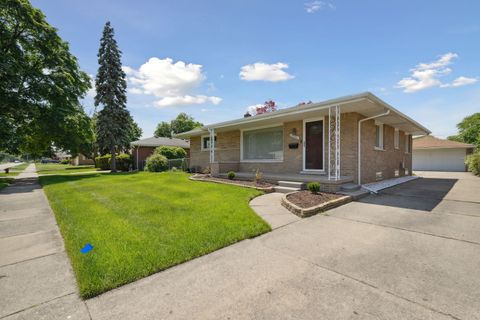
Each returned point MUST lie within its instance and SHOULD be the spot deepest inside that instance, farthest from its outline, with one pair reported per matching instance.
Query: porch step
(349, 187)
(292, 184)
(313, 173)
(285, 189)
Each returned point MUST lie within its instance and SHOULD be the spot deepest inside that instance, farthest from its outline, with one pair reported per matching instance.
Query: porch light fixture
(293, 134)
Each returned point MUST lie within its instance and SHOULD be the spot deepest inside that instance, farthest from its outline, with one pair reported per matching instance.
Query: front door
(314, 145)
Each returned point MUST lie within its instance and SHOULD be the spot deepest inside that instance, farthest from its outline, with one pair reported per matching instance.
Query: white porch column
(334, 124)
(212, 144)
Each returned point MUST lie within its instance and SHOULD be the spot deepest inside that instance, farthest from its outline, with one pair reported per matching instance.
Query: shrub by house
(156, 163)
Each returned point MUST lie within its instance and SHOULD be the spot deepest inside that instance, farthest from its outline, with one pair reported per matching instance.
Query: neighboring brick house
(82, 160)
(143, 148)
(435, 154)
(312, 142)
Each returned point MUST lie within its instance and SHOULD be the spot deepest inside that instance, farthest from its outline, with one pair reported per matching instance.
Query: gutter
(359, 165)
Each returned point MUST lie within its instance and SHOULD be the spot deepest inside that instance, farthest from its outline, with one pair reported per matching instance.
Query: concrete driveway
(412, 252)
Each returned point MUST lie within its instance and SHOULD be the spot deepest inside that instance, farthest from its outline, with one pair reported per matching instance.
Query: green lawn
(57, 168)
(14, 171)
(141, 223)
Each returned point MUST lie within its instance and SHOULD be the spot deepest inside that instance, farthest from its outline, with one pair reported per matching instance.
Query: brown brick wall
(348, 143)
(228, 151)
(198, 158)
(143, 154)
(386, 161)
(228, 146)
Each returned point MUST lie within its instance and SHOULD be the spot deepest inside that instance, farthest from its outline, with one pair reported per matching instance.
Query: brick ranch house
(357, 138)
(143, 148)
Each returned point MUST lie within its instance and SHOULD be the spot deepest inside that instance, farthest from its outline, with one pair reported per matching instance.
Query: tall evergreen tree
(114, 123)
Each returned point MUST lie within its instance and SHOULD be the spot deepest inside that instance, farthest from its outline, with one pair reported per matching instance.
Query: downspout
(359, 166)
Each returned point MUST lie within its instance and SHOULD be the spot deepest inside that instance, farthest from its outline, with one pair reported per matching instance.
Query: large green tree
(469, 130)
(40, 84)
(182, 123)
(163, 130)
(114, 123)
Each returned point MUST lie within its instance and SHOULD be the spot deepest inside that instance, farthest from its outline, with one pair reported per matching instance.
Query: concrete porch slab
(275, 177)
(388, 183)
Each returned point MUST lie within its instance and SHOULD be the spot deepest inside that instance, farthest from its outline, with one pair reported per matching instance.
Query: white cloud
(427, 75)
(186, 100)
(260, 71)
(461, 81)
(314, 6)
(173, 82)
(92, 92)
(135, 90)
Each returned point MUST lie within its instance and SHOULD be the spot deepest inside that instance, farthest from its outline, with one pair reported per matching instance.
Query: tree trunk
(114, 161)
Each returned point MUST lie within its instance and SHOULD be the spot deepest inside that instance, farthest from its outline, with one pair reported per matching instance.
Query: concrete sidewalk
(269, 207)
(36, 280)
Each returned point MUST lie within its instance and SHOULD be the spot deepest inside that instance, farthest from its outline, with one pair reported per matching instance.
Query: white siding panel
(439, 160)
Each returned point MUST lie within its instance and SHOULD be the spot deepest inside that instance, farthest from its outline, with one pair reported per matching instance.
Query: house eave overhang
(156, 145)
(365, 103)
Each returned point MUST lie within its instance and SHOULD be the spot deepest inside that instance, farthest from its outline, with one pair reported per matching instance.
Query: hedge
(473, 163)
(123, 162)
(171, 152)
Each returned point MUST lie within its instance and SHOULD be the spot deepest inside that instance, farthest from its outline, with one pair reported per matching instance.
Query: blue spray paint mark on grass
(87, 248)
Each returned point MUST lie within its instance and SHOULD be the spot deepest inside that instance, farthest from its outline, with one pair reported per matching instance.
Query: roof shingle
(431, 142)
(161, 141)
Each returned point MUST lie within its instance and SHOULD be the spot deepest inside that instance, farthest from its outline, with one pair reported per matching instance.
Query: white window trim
(382, 146)
(262, 160)
(201, 143)
(396, 139)
(304, 147)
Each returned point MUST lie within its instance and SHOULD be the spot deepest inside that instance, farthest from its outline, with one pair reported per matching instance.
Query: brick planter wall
(308, 212)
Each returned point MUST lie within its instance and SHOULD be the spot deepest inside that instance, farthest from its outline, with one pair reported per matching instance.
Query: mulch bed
(242, 182)
(306, 199)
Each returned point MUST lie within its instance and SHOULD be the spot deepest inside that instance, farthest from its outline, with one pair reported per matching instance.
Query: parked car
(47, 160)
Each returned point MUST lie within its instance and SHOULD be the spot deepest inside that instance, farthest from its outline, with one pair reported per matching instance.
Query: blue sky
(214, 59)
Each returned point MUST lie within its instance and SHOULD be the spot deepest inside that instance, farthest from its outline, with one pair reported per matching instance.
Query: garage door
(439, 160)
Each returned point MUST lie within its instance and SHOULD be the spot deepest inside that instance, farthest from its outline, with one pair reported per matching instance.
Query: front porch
(300, 151)
(326, 185)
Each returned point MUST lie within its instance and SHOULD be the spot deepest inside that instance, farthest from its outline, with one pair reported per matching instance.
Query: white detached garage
(434, 154)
